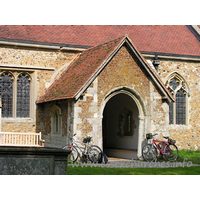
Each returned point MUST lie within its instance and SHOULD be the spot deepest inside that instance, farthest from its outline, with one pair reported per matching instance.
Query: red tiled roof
(175, 39)
(85, 67)
(79, 72)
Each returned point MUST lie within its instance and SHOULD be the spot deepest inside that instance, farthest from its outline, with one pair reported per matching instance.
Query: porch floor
(112, 159)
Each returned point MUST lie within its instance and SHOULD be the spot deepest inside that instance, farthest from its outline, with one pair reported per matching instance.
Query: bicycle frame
(82, 149)
(169, 150)
(161, 150)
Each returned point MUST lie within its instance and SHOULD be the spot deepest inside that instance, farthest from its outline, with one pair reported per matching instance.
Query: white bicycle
(92, 152)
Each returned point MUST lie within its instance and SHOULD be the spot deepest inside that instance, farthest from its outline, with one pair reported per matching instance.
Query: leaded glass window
(125, 123)
(23, 96)
(180, 107)
(6, 92)
(173, 83)
(171, 117)
(179, 89)
(15, 94)
(56, 121)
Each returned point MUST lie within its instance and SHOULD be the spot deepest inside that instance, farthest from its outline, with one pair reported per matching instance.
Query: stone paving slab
(126, 163)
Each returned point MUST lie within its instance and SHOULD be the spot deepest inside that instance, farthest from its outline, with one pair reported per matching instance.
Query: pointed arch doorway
(120, 126)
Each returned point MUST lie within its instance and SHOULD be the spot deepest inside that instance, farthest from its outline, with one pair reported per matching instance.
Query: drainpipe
(156, 62)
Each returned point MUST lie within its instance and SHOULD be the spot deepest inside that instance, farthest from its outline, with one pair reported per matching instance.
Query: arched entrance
(121, 125)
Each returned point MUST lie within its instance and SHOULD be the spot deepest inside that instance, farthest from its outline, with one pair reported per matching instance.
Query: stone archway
(123, 124)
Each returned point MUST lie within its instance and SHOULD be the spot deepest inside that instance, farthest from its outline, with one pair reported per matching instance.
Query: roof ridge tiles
(106, 58)
(105, 43)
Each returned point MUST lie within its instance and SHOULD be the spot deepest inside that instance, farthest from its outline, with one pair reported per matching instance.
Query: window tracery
(179, 89)
(6, 92)
(15, 91)
(23, 95)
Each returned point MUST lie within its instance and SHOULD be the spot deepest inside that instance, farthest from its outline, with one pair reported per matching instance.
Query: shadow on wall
(52, 124)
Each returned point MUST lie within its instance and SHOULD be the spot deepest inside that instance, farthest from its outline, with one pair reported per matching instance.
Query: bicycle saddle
(166, 137)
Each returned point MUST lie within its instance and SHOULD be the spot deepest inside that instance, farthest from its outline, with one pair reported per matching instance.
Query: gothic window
(6, 92)
(171, 117)
(125, 123)
(23, 96)
(173, 83)
(180, 107)
(15, 91)
(56, 121)
(179, 89)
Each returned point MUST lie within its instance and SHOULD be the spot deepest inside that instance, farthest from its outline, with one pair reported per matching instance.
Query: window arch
(178, 87)
(6, 92)
(15, 91)
(23, 95)
(56, 121)
(125, 123)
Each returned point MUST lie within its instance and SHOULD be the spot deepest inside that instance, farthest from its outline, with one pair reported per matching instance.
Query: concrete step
(121, 153)
(112, 159)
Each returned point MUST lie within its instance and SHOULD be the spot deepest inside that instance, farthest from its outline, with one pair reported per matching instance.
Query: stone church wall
(187, 136)
(52, 63)
(43, 123)
(122, 71)
(86, 116)
(159, 114)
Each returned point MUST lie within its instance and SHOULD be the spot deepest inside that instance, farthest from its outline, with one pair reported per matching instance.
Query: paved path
(126, 163)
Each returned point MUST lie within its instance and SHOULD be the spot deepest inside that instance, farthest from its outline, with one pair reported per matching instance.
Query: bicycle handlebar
(166, 137)
(72, 136)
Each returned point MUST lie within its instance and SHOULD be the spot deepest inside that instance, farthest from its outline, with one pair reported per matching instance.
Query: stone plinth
(33, 161)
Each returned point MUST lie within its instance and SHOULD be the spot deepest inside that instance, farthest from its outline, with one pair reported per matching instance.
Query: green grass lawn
(132, 171)
(193, 156)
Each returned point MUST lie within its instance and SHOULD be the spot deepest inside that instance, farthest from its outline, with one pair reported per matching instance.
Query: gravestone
(33, 161)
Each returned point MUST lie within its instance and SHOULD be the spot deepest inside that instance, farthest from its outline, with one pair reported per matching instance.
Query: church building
(114, 83)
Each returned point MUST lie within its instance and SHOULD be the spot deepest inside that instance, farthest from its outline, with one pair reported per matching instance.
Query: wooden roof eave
(166, 94)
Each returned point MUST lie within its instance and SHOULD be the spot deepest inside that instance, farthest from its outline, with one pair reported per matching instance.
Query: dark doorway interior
(120, 126)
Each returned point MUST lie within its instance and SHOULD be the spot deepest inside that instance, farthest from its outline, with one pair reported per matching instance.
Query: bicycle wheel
(93, 153)
(149, 152)
(96, 147)
(73, 156)
(171, 152)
